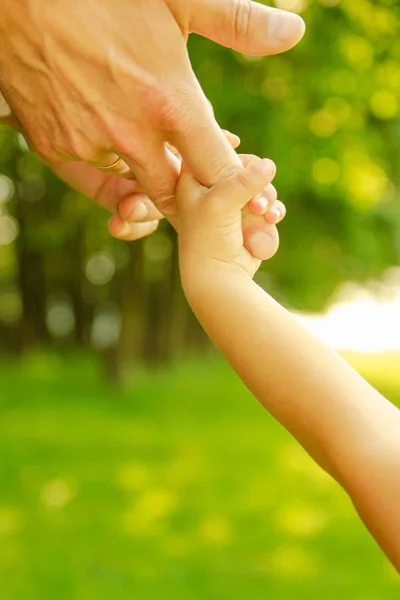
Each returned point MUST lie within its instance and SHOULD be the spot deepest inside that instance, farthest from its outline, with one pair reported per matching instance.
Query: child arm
(343, 423)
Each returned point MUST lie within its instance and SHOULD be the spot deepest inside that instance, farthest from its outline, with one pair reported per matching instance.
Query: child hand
(138, 217)
(210, 220)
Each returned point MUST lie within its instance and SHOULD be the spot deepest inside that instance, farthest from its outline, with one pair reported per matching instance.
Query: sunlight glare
(369, 323)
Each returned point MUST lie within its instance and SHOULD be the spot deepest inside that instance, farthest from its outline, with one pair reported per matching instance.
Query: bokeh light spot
(324, 124)
(149, 510)
(9, 230)
(297, 6)
(134, 477)
(7, 189)
(60, 318)
(216, 530)
(100, 268)
(358, 52)
(326, 171)
(58, 493)
(384, 105)
(302, 521)
(106, 327)
(10, 520)
(293, 562)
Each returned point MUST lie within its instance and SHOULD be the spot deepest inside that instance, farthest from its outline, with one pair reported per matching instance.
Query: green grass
(181, 488)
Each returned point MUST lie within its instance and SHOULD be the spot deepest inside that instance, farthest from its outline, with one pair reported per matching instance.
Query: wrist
(203, 277)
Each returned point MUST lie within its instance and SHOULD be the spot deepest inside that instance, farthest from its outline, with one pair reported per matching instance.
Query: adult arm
(91, 81)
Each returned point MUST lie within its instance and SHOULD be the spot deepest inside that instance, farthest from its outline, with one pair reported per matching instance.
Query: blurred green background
(133, 462)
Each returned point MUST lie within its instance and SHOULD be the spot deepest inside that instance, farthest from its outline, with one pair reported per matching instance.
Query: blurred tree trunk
(31, 276)
(133, 305)
(157, 322)
(83, 312)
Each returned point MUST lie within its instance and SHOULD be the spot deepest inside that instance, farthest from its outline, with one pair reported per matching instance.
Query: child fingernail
(263, 203)
(274, 215)
(233, 136)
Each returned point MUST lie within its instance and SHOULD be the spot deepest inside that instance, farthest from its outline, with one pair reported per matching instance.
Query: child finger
(262, 243)
(258, 205)
(248, 158)
(271, 194)
(232, 138)
(130, 231)
(276, 214)
(264, 201)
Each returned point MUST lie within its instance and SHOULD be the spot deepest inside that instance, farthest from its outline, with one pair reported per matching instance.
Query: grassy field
(180, 488)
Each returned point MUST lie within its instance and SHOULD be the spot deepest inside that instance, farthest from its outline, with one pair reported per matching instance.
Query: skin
(346, 426)
(68, 87)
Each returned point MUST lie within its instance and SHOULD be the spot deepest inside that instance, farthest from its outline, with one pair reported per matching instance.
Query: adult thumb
(246, 26)
(236, 190)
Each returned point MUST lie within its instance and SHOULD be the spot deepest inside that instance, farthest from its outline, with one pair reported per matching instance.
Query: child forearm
(344, 424)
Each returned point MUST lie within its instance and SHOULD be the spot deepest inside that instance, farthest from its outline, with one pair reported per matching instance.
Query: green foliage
(328, 113)
(181, 488)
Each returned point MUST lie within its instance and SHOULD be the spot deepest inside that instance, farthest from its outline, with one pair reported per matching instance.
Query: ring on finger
(118, 167)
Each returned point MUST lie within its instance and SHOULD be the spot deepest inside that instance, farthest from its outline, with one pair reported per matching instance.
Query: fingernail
(259, 244)
(126, 229)
(235, 137)
(284, 26)
(263, 203)
(274, 215)
(139, 213)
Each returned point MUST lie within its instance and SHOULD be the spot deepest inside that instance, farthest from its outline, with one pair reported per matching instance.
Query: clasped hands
(103, 91)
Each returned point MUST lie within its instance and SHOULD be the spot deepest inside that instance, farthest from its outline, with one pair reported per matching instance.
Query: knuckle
(243, 180)
(78, 147)
(88, 155)
(241, 17)
(165, 203)
(129, 145)
(45, 150)
(272, 191)
(177, 106)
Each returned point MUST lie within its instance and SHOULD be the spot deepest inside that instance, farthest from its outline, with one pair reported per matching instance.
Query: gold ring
(114, 167)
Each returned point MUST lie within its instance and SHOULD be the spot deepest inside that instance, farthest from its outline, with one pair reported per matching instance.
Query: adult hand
(96, 81)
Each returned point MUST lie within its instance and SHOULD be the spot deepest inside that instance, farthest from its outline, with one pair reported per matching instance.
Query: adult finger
(246, 26)
(105, 189)
(240, 187)
(130, 231)
(138, 208)
(157, 171)
(200, 141)
(112, 164)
